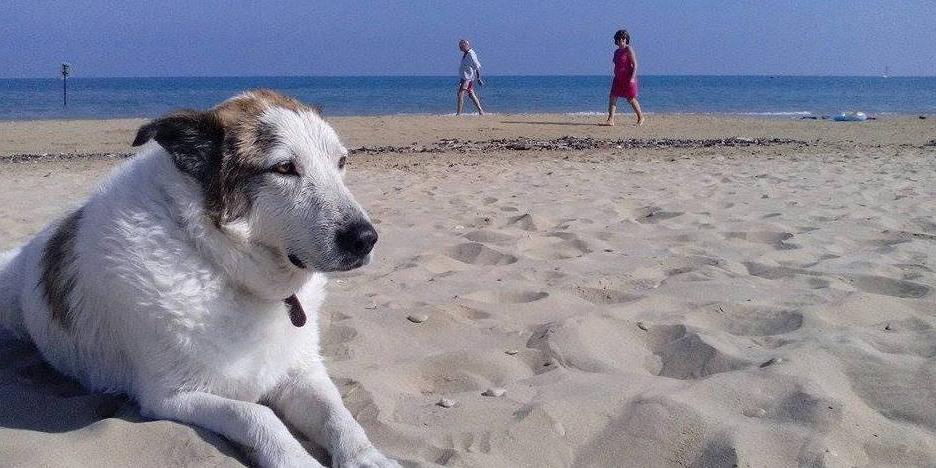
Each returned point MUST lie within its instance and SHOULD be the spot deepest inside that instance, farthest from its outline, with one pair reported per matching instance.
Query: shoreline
(771, 115)
(467, 146)
(109, 136)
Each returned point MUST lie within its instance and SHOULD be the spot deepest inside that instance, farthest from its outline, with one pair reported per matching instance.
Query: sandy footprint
(592, 344)
(440, 264)
(685, 354)
(602, 296)
(673, 440)
(868, 283)
(524, 222)
(462, 313)
(557, 246)
(487, 236)
(653, 215)
(567, 223)
(691, 268)
(774, 272)
(474, 253)
(887, 286)
(462, 371)
(335, 342)
(912, 272)
(748, 320)
(773, 238)
(506, 297)
(910, 337)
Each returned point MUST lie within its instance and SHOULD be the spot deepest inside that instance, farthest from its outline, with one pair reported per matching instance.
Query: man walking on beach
(470, 70)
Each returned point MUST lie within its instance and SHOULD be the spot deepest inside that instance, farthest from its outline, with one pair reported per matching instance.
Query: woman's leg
(474, 99)
(636, 105)
(459, 101)
(612, 107)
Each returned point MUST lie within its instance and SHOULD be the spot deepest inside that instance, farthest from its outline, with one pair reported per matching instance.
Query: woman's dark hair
(622, 34)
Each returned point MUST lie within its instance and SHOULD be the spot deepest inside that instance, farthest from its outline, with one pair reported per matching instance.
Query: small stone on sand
(446, 403)
(417, 318)
(511, 352)
(494, 392)
(772, 361)
(643, 326)
(755, 413)
(560, 429)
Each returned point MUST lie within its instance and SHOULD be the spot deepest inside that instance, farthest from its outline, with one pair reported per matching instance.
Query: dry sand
(706, 305)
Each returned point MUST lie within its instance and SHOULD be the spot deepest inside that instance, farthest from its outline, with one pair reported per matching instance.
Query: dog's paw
(370, 458)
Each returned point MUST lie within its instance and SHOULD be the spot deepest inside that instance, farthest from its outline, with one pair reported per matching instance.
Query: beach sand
(719, 291)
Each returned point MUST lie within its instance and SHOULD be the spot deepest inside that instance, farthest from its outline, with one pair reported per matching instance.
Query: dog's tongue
(296, 315)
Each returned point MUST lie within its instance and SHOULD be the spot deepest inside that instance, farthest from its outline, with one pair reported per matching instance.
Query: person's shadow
(48, 419)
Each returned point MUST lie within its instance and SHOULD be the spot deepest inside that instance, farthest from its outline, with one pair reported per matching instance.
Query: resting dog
(191, 281)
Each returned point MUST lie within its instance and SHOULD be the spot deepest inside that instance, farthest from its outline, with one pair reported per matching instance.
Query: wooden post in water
(65, 68)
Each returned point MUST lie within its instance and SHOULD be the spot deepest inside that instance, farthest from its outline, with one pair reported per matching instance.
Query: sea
(793, 97)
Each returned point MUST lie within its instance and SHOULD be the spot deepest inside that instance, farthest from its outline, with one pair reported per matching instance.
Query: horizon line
(574, 75)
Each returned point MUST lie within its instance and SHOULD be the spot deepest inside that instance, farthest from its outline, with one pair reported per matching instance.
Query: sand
(708, 304)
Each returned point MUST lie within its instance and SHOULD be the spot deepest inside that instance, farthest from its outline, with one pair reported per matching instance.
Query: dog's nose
(357, 238)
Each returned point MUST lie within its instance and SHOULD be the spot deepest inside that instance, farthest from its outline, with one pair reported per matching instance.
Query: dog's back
(39, 292)
(11, 316)
(16, 271)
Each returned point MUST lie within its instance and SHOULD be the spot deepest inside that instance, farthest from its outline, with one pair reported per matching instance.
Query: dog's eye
(342, 161)
(285, 168)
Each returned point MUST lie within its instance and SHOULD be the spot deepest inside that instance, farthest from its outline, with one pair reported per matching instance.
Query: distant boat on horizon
(886, 72)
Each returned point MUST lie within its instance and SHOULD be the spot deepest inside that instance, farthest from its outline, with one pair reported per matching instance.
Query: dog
(192, 279)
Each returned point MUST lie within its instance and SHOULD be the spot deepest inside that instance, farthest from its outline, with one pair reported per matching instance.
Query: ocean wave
(780, 113)
(452, 114)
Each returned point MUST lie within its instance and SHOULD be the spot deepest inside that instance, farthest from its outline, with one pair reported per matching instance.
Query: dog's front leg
(309, 400)
(250, 424)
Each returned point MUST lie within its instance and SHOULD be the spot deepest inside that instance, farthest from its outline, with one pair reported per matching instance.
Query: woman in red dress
(625, 77)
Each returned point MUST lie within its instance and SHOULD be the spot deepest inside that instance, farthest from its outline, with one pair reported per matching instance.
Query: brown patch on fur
(253, 103)
(247, 141)
(59, 265)
(223, 166)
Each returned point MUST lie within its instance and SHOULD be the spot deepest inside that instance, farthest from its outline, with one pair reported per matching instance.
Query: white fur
(189, 318)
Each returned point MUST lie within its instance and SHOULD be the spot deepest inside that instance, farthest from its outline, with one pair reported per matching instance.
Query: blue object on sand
(850, 117)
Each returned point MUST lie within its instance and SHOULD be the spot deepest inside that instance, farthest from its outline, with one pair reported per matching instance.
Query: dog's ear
(194, 139)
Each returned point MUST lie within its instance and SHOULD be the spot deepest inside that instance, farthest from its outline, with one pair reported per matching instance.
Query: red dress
(623, 69)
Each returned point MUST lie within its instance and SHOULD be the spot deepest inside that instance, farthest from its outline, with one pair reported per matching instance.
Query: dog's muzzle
(354, 243)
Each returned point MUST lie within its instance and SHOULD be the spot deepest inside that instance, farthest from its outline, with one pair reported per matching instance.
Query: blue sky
(358, 37)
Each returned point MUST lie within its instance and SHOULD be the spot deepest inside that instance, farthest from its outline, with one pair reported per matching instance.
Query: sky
(419, 37)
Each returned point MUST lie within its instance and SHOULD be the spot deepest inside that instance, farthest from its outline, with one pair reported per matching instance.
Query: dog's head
(272, 162)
